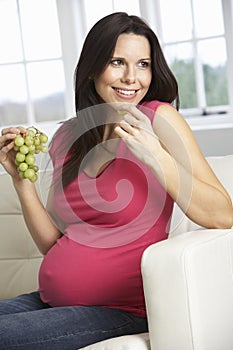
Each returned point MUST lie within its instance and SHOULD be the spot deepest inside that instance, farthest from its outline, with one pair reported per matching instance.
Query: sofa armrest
(188, 284)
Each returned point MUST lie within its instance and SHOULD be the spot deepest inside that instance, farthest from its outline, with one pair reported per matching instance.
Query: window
(192, 34)
(40, 42)
(105, 7)
(31, 68)
(194, 43)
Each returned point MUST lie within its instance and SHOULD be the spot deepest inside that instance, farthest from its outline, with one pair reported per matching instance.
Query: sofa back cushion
(223, 168)
(19, 257)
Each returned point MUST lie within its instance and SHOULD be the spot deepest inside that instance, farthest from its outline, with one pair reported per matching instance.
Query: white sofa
(188, 278)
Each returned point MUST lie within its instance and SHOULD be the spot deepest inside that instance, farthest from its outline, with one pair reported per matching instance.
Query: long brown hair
(96, 54)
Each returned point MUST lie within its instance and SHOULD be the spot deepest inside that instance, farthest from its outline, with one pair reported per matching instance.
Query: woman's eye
(116, 62)
(144, 64)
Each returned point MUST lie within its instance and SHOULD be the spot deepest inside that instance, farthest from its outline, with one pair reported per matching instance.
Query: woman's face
(128, 75)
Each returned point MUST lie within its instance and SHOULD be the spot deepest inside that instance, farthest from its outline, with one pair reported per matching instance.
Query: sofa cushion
(223, 168)
(19, 257)
(126, 342)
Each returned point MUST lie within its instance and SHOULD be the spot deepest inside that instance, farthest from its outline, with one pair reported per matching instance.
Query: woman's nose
(129, 76)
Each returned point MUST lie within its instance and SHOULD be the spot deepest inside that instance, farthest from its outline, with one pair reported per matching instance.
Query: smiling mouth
(126, 92)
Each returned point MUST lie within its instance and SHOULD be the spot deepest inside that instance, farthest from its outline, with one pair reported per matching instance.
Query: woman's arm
(41, 227)
(195, 187)
(169, 148)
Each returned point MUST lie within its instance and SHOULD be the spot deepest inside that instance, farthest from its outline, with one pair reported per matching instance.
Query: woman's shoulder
(150, 107)
(154, 104)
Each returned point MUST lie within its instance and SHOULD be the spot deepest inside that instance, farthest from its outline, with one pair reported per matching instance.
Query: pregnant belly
(73, 274)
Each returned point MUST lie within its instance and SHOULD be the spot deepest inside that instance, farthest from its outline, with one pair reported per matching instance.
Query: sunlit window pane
(212, 51)
(93, 14)
(12, 95)
(176, 20)
(10, 44)
(47, 86)
(181, 61)
(208, 17)
(129, 6)
(213, 56)
(40, 29)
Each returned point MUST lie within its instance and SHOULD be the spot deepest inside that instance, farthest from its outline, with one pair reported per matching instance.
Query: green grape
(23, 166)
(39, 147)
(30, 159)
(25, 147)
(121, 112)
(34, 167)
(44, 149)
(36, 141)
(19, 140)
(31, 149)
(34, 178)
(29, 174)
(43, 138)
(20, 157)
(31, 133)
(28, 140)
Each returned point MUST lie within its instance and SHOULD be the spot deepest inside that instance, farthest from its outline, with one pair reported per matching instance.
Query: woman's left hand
(136, 131)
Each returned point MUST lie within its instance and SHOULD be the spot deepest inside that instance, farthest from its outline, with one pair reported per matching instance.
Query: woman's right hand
(7, 153)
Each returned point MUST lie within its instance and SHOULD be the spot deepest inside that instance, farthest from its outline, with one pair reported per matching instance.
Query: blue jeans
(27, 323)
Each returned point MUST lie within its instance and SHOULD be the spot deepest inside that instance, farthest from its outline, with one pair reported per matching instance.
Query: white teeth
(126, 92)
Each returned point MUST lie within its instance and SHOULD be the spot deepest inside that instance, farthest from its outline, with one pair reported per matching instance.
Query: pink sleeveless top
(109, 220)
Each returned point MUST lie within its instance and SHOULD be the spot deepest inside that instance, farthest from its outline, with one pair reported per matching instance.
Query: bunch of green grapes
(26, 147)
